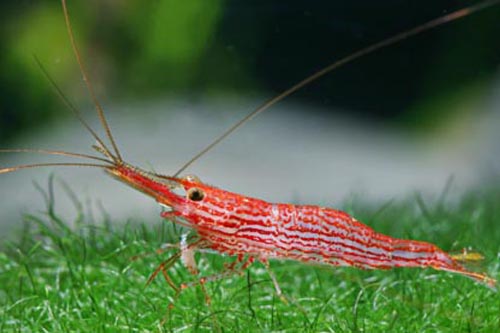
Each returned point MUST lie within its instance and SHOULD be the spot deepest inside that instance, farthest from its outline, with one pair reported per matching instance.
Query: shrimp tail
(460, 262)
(428, 255)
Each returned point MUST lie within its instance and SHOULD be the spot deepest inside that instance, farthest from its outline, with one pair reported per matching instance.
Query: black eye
(195, 194)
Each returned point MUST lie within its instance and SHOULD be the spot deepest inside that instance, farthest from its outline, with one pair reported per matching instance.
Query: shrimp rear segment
(238, 225)
(333, 237)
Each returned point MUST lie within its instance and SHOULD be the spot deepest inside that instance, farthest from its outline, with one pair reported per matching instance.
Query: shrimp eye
(195, 194)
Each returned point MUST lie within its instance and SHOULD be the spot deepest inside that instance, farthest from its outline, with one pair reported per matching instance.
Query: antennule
(90, 88)
(75, 111)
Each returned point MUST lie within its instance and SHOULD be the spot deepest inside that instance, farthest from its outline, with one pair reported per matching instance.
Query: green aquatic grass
(81, 279)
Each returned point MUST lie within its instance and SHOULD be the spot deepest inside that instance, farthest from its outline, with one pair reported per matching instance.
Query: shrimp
(238, 225)
(251, 229)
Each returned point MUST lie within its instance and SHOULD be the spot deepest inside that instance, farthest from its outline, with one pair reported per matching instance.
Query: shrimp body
(234, 224)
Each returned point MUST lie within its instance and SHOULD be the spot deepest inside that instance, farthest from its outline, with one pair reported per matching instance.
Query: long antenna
(56, 152)
(75, 111)
(37, 165)
(90, 88)
(358, 54)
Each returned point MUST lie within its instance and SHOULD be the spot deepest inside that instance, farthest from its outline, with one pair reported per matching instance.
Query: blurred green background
(140, 50)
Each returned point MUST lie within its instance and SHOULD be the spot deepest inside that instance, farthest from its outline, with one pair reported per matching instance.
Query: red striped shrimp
(252, 229)
(240, 226)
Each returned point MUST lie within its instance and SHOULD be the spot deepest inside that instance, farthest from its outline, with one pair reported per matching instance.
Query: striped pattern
(238, 225)
(304, 233)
